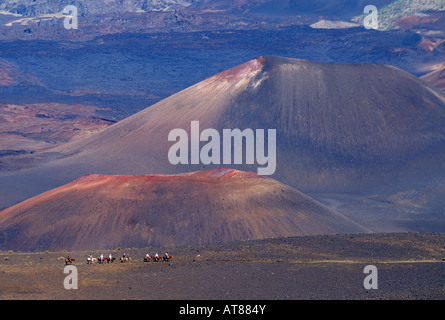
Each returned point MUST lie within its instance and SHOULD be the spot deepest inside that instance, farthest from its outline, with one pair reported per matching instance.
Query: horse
(125, 259)
(69, 261)
(167, 258)
(147, 259)
(91, 260)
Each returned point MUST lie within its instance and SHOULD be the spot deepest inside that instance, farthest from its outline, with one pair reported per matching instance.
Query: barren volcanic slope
(98, 211)
(339, 128)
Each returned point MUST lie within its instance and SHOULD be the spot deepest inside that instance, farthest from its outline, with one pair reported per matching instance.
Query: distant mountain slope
(85, 7)
(388, 15)
(22, 19)
(264, 7)
(219, 205)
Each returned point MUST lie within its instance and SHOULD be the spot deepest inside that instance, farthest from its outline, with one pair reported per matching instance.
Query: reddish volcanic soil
(5, 74)
(98, 211)
(10, 75)
(433, 21)
(436, 78)
(26, 130)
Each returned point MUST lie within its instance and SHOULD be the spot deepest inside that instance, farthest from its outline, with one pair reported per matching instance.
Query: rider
(102, 257)
(166, 254)
(110, 257)
(156, 256)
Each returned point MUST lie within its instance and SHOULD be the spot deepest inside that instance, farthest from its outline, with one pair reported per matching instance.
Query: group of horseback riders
(124, 258)
(102, 259)
(156, 257)
(108, 259)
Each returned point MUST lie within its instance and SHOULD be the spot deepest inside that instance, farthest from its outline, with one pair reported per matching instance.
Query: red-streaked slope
(100, 211)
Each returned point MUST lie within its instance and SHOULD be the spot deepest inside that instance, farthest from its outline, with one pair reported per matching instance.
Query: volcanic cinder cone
(100, 211)
(339, 127)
